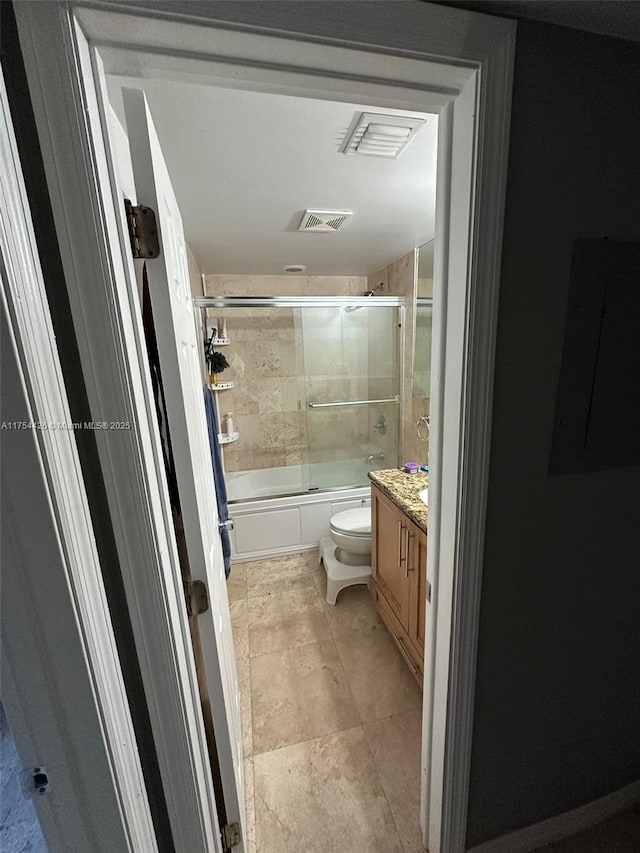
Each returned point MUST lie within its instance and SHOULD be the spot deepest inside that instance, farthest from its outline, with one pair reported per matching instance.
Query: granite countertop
(403, 490)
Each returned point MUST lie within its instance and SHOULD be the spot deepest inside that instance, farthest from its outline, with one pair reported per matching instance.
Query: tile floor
(330, 715)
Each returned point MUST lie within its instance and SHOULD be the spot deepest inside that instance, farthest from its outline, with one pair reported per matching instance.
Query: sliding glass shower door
(352, 388)
(313, 390)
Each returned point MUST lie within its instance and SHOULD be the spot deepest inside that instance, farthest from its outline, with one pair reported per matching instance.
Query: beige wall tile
(230, 457)
(295, 429)
(285, 285)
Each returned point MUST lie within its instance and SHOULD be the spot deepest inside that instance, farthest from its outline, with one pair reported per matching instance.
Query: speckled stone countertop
(403, 490)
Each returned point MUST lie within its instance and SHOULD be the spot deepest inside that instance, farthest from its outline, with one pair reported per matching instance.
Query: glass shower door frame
(368, 302)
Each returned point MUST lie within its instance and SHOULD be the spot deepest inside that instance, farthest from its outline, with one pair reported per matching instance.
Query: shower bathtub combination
(314, 383)
(285, 514)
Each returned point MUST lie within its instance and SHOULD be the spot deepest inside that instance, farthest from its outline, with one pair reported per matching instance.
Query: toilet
(346, 553)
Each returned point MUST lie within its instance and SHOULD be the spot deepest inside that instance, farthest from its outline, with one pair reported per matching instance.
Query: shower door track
(316, 490)
(299, 301)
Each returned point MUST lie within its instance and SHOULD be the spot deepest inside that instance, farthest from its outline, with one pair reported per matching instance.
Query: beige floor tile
(237, 582)
(299, 694)
(380, 680)
(244, 683)
(250, 806)
(309, 560)
(319, 576)
(240, 627)
(354, 610)
(395, 745)
(322, 796)
(268, 577)
(285, 621)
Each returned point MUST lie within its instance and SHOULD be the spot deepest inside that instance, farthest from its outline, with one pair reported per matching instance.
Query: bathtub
(287, 509)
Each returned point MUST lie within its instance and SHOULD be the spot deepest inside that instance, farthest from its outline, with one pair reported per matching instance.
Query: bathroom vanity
(399, 560)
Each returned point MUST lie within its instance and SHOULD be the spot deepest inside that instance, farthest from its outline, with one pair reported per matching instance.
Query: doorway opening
(320, 388)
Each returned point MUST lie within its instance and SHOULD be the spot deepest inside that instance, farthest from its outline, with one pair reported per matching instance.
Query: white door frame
(62, 684)
(458, 63)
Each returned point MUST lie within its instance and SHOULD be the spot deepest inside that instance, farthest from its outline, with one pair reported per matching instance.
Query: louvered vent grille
(377, 135)
(323, 221)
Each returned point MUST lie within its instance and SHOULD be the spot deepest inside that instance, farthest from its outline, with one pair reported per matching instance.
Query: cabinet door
(418, 592)
(390, 557)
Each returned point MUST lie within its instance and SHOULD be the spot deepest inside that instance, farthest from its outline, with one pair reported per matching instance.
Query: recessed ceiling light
(295, 268)
(379, 135)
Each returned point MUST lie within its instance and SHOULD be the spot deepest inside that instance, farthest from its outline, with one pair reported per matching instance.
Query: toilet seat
(353, 522)
(346, 553)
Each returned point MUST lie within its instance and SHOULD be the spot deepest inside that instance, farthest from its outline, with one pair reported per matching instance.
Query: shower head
(366, 293)
(372, 292)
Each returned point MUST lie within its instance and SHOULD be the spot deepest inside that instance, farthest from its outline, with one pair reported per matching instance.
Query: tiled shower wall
(278, 366)
(399, 279)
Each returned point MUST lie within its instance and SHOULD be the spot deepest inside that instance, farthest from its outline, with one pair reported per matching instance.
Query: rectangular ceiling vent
(379, 135)
(323, 221)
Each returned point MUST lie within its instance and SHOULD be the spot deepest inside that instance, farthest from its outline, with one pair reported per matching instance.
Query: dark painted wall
(558, 695)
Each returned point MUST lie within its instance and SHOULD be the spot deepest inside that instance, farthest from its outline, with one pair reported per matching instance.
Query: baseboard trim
(556, 828)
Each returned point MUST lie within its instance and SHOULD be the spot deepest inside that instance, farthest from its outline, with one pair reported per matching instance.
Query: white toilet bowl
(351, 531)
(346, 553)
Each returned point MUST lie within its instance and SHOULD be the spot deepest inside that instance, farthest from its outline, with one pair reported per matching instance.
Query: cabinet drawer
(398, 633)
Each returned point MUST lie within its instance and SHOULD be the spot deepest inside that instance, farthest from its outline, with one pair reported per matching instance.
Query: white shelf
(222, 386)
(223, 438)
(220, 342)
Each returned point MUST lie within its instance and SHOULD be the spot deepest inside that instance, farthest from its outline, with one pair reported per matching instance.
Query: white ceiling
(245, 165)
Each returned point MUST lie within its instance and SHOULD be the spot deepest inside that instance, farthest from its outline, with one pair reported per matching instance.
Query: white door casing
(62, 684)
(385, 57)
(179, 352)
(108, 322)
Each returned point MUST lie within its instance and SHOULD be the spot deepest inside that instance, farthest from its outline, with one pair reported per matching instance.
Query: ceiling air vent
(324, 221)
(379, 135)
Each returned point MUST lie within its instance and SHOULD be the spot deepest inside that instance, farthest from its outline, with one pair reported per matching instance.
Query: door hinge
(196, 598)
(143, 230)
(230, 835)
(429, 591)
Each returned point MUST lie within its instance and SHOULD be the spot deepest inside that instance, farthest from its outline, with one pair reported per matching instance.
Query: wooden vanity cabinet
(399, 564)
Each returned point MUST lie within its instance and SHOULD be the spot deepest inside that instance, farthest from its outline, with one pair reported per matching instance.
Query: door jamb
(466, 285)
(68, 711)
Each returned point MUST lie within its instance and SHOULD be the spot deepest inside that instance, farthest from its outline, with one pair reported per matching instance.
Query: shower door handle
(226, 525)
